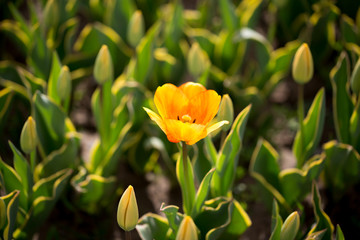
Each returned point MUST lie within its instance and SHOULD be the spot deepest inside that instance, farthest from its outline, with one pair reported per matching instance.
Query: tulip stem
(186, 199)
(33, 160)
(301, 122)
(127, 235)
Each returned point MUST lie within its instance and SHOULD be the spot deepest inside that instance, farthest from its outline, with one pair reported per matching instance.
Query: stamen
(194, 120)
(186, 118)
(178, 118)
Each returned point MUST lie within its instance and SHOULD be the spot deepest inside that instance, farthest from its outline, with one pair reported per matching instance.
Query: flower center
(186, 119)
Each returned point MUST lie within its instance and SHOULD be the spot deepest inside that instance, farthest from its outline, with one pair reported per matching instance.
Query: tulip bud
(355, 78)
(290, 227)
(303, 66)
(103, 69)
(187, 230)
(226, 111)
(128, 214)
(198, 61)
(136, 27)
(28, 137)
(64, 83)
(2, 213)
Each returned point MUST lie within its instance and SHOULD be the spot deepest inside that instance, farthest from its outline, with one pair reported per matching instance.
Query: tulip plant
(185, 115)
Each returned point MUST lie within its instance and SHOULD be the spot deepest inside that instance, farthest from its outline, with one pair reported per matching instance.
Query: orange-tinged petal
(187, 132)
(191, 89)
(204, 106)
(156, 118)
(170, 101)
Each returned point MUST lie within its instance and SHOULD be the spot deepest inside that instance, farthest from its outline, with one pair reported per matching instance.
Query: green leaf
(228, 15)
(93, 190)
(12, 202)
(263, 46)
(153, 227)
(316, 235)
(295, 183)
(22, 168)
(6, 96)
(202, 193)
(13, 182)
(342, 104)
(249, 12)
(240, 221)
(265, 169)
(173, 216)
(210, 150)
(50, 123)
(52, 90)
(214, 217)
(312, 131)
(117, 15)
(339, 233)
(342, 167)
(64, 157)
(14, 31)
(39, 56)
(93, 36)
(322, 219)
(144, 55)
(186, 181)
(276, 222)
(222, 218)
(46, 193)
(228, 156)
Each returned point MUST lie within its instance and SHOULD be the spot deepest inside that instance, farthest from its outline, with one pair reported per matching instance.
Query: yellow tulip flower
(185, 112)
(303, 66)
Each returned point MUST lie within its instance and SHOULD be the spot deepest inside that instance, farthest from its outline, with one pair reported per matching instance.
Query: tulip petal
(187, 132)
(204, 106)
(191, 89)
(215, 126)
(156, 118)
(170, 101)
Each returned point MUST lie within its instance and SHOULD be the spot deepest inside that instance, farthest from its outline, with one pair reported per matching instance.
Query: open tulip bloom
(185, 112)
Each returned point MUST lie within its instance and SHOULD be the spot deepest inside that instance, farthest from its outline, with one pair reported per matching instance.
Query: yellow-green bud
(197, 61)
(103, 69)
(64, 83)
(187, 230)
(303, 66)
(128, 214)
(355, 78)
(28, 137)
(136, 28)
(290, 227)
(226, 111)
(2, 213)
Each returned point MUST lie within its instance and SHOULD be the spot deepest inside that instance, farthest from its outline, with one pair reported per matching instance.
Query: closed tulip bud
(226, 111)
(290, 227)
(187, 230)
(136, 28)
(198, 61)
(64, 83)
(103, 69)
(303, 66)
(128, 214)
(2, 213)
(355, 78)
(28, 137)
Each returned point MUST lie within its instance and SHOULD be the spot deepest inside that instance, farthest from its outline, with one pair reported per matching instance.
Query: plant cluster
(184, 93)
